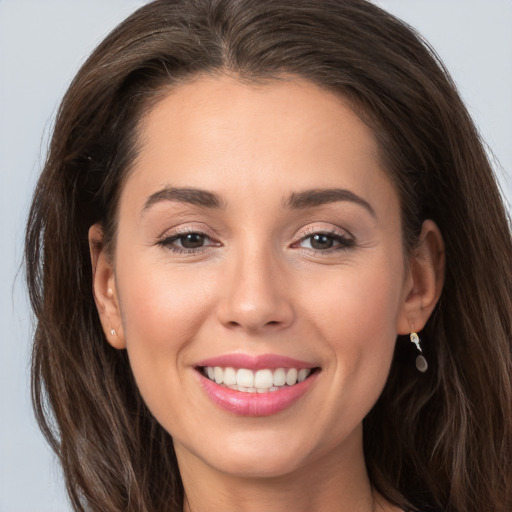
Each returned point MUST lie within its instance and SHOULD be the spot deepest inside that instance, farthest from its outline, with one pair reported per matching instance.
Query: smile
(261, 381)
(255, 385)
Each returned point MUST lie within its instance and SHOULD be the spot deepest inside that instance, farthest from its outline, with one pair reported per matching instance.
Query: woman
(248, 212)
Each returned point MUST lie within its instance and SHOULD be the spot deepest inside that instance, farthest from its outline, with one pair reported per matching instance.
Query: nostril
(234, 313)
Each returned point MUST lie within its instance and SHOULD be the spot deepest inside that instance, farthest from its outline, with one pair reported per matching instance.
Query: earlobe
(425, 280)
(104, 289)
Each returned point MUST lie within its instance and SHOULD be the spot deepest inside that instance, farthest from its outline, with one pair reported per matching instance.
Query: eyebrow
(319, 197)
(193, 196)
(297, 200)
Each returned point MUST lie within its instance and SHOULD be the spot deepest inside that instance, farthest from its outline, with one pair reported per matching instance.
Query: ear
(424, 281)
(104, 289)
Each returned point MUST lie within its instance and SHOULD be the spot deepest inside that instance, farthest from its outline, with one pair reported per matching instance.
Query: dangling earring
(421, 362)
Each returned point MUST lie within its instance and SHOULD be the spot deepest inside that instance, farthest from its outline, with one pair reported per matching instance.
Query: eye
(325, 242)
(191, 240)
(187, 242)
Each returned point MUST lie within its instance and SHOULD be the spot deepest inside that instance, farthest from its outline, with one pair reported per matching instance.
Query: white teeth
(218, 374)
(261, 381)
(245, 378)
(229, 376)
(303, 373)
(291, 376)
(279, 377)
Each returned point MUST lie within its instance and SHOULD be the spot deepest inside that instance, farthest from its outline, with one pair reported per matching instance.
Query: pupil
(321, 242)
(192, 241)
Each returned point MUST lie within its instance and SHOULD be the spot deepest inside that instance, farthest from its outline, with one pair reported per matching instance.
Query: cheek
(355, 312)
(164, 303)
(357, 301)
(162, 309)
(355, 316)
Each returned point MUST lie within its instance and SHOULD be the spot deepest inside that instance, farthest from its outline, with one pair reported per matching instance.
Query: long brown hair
(441, 439)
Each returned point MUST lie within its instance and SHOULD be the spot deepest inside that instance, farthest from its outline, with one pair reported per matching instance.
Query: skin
(257, 286)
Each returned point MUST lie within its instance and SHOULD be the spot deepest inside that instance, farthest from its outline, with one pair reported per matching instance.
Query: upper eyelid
(178, 230)
(169, 243)
(330, 230)
(303, 232)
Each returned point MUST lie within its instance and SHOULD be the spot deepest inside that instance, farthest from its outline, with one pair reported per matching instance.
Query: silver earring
(113, 332)
(421, 362)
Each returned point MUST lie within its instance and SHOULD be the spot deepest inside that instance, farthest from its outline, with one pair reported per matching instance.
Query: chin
(250, 456)
(261, 465)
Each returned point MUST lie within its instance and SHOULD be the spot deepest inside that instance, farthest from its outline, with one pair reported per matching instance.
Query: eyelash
(169, 242)
(343, 242)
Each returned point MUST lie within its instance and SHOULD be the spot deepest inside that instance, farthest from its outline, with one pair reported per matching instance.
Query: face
(259, 247)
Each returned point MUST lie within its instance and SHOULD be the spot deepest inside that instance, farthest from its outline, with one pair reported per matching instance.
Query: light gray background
(42, 43)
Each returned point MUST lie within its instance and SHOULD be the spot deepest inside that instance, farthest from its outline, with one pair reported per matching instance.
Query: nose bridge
(255, 297)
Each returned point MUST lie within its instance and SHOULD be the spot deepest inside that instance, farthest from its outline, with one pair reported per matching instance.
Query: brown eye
(192, 240)
(321, 241)
(188, 242)
(326, 242)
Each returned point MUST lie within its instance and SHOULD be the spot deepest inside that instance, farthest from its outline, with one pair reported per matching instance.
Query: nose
(256, 297)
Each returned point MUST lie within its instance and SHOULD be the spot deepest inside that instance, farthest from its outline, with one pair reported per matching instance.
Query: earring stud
(421, 362)
(113, 332)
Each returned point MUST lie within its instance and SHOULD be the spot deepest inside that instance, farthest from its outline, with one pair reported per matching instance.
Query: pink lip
(260, 362)
(255, 404)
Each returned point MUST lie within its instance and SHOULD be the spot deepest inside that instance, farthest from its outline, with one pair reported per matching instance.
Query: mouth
(262, 385)
(263, 380)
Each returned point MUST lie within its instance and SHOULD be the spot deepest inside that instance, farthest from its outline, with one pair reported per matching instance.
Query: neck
(332, 483)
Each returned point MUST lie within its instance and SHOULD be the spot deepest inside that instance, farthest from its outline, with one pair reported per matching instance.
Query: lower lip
(256, 404)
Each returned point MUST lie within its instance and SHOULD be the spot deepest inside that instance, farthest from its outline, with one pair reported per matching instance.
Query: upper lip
(251, 362)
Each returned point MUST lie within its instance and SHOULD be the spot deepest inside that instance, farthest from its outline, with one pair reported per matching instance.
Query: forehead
(220, 134)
